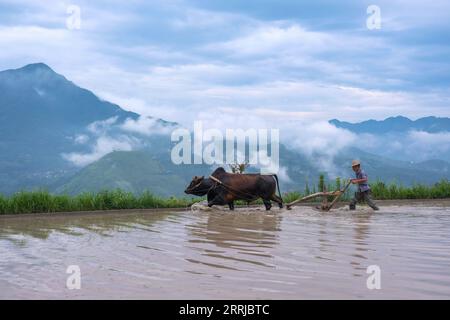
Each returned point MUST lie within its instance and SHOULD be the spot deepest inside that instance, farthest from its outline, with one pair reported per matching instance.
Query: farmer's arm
(363, 179)
(355, 181)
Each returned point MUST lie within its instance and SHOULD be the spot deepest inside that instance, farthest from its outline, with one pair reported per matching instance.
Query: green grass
(439, 190)
(42, 201)
(380, 191)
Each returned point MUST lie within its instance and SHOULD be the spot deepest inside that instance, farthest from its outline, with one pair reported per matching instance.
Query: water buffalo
(223, 188)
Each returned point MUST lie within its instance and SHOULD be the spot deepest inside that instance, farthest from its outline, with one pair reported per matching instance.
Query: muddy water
(298, 254)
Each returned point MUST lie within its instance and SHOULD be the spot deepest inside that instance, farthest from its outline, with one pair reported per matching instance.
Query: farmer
(363, 192)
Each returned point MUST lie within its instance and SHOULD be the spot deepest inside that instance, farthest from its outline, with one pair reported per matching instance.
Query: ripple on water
(249, 253)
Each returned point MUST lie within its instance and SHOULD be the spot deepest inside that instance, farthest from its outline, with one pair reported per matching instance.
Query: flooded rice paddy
(218, 254)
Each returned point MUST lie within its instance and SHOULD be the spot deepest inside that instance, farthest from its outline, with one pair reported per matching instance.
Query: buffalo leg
(267, 204)
(217, 200)
(278, 200)
(220, 201)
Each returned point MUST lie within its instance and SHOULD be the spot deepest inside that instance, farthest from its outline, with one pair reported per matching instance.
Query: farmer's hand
(353, 181)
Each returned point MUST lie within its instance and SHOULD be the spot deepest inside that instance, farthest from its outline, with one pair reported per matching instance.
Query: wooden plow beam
(325, 206)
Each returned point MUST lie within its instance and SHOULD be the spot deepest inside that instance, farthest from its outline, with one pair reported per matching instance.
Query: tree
(239, 167)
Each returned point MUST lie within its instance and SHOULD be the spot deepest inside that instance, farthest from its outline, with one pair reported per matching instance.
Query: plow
(325, 205)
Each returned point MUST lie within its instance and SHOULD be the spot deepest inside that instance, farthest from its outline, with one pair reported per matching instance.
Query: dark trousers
(363, 196)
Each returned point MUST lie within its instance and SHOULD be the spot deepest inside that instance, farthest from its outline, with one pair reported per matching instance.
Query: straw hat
(355, 163)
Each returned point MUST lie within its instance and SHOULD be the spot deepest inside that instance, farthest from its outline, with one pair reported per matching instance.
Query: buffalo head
(199, 186)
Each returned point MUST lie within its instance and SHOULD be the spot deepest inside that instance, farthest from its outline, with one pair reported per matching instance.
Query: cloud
(196, 59)
(283, 175)
(439, 140)
(413, 15)
(102, 126)
(81, 139)
(417, 145)
(276, 40)
(194, 18)
(414, 146)
(112, 135)
(240, 65)
(320, 142)
(102, 146)
(423, 145)
(146, 126)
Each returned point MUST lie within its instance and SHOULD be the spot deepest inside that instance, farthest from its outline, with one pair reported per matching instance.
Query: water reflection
(15, 229)
(247, 254)
(237, 237)
(361, 232)
(324, 242)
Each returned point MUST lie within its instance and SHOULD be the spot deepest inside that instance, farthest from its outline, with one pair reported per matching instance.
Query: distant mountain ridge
(44, 116)
(36, 88)
(41, 114)
(396, 124)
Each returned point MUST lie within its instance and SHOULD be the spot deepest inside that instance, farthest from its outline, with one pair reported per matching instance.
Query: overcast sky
(184, 60)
